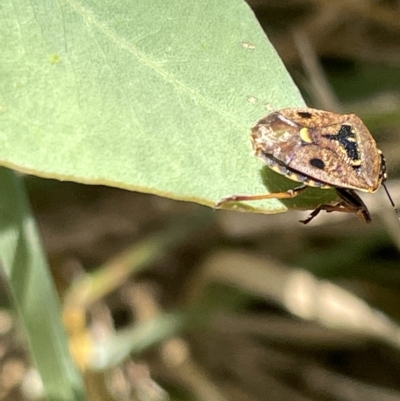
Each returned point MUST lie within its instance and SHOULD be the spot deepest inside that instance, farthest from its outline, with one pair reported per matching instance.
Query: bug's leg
(339, 207)
(313, 214)
(290, 193)
(351, 203)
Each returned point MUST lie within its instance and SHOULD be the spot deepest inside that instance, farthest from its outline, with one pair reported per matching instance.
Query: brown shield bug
(319, 149)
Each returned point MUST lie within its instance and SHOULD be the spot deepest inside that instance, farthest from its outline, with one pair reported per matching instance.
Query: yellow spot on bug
(305, 135)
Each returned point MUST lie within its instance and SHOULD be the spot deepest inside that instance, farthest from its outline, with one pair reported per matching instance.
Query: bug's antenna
(391, 201)
(388, 195)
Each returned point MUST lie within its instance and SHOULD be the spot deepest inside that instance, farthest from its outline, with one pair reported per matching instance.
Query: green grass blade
(33, 294)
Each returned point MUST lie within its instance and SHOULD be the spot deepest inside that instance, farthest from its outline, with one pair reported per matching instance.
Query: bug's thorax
(320, 149)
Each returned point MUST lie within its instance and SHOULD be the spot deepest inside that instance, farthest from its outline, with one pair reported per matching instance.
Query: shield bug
(319, 149)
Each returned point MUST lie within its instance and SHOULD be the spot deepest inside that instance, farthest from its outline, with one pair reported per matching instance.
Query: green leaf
(151, 96)
(33, 295)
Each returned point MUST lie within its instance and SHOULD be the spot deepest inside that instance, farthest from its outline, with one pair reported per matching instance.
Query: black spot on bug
(304, 114)
(317, 163)
(347, 138)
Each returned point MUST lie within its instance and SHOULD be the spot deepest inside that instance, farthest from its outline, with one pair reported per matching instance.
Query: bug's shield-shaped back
(337, 150)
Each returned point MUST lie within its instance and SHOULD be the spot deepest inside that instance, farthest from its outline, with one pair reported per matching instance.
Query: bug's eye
(317, 163)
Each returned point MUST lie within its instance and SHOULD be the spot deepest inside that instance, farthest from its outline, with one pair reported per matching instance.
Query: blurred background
(187, 303)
